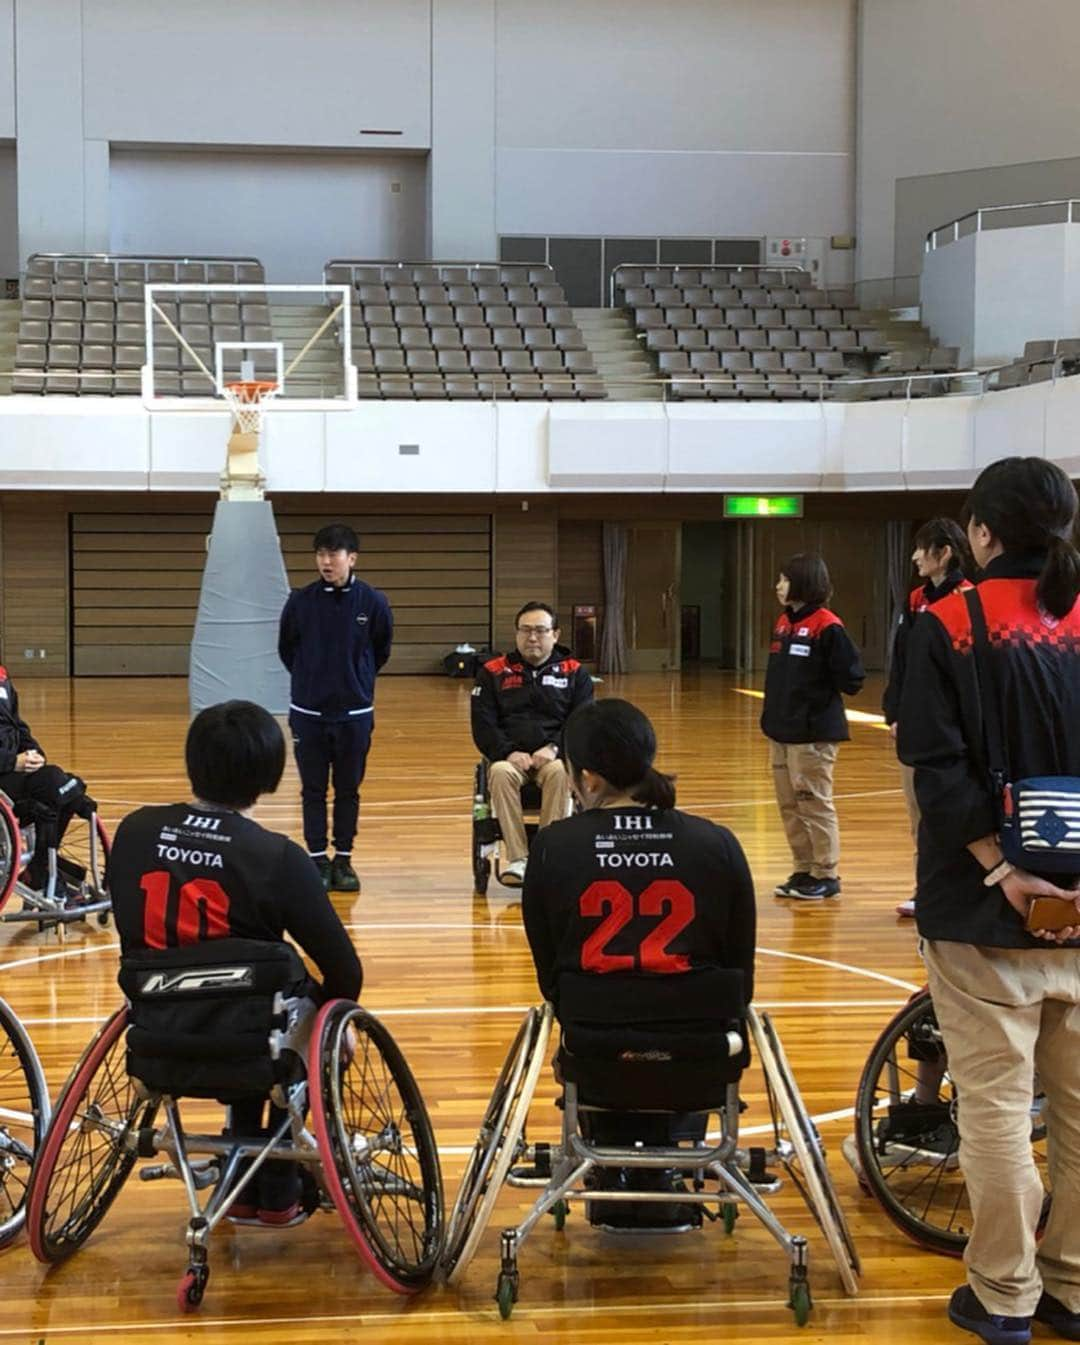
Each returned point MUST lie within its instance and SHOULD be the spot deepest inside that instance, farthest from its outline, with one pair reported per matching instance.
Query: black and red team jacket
(15, 735)
(1036, 660)
(519, 708)
(920, 600)
(812, 660)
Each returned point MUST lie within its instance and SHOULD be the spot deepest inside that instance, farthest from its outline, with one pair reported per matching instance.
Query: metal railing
(614, 283)
(977, 220)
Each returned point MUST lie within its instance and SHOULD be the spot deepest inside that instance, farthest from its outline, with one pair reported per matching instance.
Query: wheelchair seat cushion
(201, 1016)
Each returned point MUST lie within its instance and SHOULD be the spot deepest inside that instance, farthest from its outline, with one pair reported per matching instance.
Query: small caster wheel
(559, 1212)
(800, 1301)
(505, 1296)
(103, 919)
(190, 1290)
(730, 1213)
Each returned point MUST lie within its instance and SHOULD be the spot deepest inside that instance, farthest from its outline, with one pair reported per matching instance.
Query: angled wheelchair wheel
(24, 1115)
(799, 1148)
(85, 848)
(500, 1141)
(89, 1147)
(11, 856)
(906, 1134)
(380, 1161)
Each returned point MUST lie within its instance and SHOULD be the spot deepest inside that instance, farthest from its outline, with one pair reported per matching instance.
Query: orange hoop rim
(251, 389)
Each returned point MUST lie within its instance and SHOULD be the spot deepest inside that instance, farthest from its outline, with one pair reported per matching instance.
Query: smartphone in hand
(1051, 913)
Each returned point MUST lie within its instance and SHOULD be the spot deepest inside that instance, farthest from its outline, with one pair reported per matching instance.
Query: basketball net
(245, 399)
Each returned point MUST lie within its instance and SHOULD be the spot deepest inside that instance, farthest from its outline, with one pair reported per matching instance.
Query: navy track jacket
(333, 641)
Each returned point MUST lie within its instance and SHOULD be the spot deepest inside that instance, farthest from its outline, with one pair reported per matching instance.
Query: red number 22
(665, 897)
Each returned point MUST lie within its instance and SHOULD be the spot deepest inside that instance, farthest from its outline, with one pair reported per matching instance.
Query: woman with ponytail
(993, 678)
(942, 559)
(631, 853)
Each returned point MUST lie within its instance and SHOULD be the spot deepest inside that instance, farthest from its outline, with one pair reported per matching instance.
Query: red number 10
(201, 898)
(607, 898)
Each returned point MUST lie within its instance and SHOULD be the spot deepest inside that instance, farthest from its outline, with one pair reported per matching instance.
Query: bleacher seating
(748, 332)
(434, 330)
(82, 325)
(1041, 362)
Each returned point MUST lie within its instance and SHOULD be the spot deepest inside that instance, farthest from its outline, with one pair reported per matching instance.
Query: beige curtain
(613, 636)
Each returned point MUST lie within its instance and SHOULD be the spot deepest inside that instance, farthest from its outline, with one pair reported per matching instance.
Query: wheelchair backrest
(204, 1017)
(686, 1016)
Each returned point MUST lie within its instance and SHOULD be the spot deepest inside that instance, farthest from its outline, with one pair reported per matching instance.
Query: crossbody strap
(993, 715)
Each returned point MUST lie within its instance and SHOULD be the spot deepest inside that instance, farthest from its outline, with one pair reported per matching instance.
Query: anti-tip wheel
(190, 1290)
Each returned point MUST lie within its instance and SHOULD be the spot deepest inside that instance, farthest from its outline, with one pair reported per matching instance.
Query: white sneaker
(850, 1150)
(513, 875)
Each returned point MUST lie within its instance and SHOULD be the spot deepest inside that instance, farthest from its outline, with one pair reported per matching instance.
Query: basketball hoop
(246, 398)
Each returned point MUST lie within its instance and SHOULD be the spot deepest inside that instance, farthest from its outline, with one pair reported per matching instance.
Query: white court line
(409, 1313)
(842, 966)
(496, 1010)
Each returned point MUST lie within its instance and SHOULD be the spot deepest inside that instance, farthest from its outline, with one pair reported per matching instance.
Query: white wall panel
(532, 448)
(251, 73)
(59, 444)
(700, 192)
(865, 445)
(610, 446)
(745, 75)
(939, 441)
(293, 211)
(7, 69)
(456, 448)
(1010, 422)
(947, 292)
(744, 446)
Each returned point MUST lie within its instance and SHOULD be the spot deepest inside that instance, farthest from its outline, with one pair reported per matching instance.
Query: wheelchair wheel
(77, 853)
(499, 1144)
(799, 1148)
(24, 1115)
(380, 1161)
(89, 1147)
(908, 1150)
(10, 850)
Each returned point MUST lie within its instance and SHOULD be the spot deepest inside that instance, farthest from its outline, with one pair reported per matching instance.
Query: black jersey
(640, 890)
(186, 873)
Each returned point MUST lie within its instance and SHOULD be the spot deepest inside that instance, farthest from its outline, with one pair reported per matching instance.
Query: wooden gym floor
(452, 975)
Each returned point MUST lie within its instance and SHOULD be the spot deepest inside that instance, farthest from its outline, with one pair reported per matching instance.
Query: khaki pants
(1005, 1013)
(803, 779)
(505, 782)
(907, 780)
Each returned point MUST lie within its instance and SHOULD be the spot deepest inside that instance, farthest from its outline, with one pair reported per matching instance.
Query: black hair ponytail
(615, 740)
(655, 789)
(1029, 504)
(1059, 582)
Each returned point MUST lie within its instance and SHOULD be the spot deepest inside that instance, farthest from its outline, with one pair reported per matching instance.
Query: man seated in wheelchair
(41, 794)
(521, 701)
(203, 899)
(641, 920)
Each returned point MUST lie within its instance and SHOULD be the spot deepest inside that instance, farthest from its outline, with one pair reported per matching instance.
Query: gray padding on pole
(244, 587)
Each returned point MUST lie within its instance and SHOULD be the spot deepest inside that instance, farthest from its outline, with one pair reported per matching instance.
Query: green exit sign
(763, 506)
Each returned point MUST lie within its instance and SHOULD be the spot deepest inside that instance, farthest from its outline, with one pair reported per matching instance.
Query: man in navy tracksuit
(335, 636)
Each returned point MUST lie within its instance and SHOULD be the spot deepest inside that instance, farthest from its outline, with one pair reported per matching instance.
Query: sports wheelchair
(486, 832)
(695, 1171)
(24, 1115)
(905, 1150)
(206, 1022)
(76, 886)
